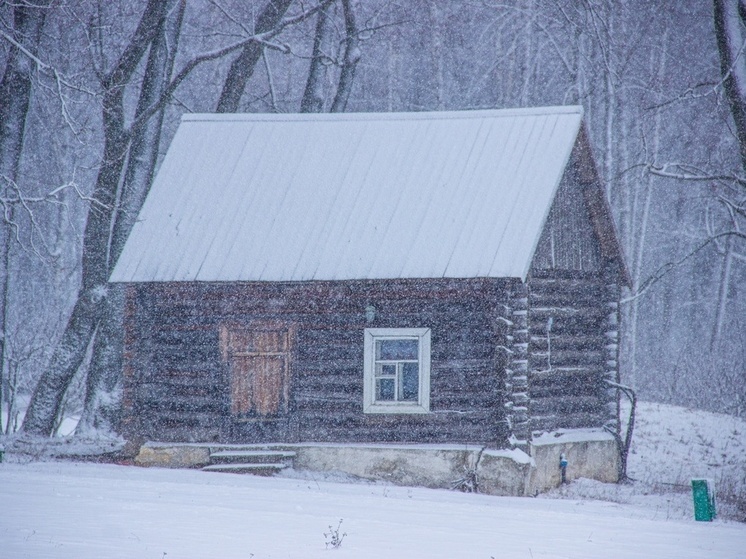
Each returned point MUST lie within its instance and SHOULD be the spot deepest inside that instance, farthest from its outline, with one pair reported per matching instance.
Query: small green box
(703, 493)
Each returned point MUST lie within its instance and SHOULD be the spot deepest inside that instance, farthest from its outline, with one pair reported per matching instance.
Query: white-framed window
(397, 370)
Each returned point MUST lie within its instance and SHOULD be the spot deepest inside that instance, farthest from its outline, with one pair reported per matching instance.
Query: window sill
(396, 409)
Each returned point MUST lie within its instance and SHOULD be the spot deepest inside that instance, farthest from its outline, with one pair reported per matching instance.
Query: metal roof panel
(248, 197)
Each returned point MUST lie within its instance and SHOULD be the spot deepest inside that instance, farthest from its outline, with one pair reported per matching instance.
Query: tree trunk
(729, 19)
(723, 290)
(143, 153)
(313, 96)
(435, 17)
(15, 95)
(68, 355)
(243, 65)
(103, 383)
(102, 403)
(15, 88)
(352, 57)
(41, 415)
(639, 213)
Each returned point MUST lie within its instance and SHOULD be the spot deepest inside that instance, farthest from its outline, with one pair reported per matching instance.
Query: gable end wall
(573, 315)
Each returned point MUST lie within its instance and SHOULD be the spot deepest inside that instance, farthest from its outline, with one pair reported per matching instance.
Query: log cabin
(448, 277)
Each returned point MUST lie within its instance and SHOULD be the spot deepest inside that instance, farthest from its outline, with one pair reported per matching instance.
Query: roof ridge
(378, 116)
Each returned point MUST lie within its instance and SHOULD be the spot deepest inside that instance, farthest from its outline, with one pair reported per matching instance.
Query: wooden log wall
(177, 385)
(572, 339)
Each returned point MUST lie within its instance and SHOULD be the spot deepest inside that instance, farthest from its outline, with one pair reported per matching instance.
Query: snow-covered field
(672, 445)
(83, 510)
(68, 510)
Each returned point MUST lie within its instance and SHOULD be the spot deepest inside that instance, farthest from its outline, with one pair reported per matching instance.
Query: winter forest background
(656, 82)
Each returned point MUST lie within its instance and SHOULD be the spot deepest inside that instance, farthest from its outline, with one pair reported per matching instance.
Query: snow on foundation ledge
(571, 436)
(592, 454)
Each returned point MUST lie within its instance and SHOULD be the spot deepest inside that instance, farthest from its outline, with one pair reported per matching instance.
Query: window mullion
(396, 382)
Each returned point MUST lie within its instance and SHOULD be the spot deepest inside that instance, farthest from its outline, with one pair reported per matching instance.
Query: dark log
(569, 358)
(567, 405)
(579, 342)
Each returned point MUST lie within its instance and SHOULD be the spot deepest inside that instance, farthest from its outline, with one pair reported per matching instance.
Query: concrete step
(250, 456)
(263, 469)
(264, 462)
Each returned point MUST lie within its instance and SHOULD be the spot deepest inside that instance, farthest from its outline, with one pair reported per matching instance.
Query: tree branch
(262, 38)
(58, 78)
(684, 172)
(271, 82)
(669, 266)
(136, 47)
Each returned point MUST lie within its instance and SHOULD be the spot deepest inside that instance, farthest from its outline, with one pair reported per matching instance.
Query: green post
(703, 493)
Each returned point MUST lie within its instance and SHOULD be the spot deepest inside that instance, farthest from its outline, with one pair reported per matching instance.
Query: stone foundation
(173, 455)
(590, 453)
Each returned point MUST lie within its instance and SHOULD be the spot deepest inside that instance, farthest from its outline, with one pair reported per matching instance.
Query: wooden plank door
(258, 358)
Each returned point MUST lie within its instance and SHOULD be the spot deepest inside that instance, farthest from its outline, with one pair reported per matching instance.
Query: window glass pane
(386, 369)
(396, 349)
(410, 381)
(385, 389)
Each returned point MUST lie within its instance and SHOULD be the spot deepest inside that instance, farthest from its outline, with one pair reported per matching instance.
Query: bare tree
(15, 95)
(117, 196)
(70, 352)
(730, 18)
(730, 32)
(103, 382)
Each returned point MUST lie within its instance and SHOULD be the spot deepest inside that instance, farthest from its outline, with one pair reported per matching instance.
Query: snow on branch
(15, 198)
(689, 173)
(728, 34)
(669, 266)
(60, 81)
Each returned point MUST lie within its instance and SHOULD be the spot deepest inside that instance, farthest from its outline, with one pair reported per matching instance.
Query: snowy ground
(82, 510)
(75, 510)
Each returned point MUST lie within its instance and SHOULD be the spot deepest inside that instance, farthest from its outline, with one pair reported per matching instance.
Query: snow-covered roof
(249, 197)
